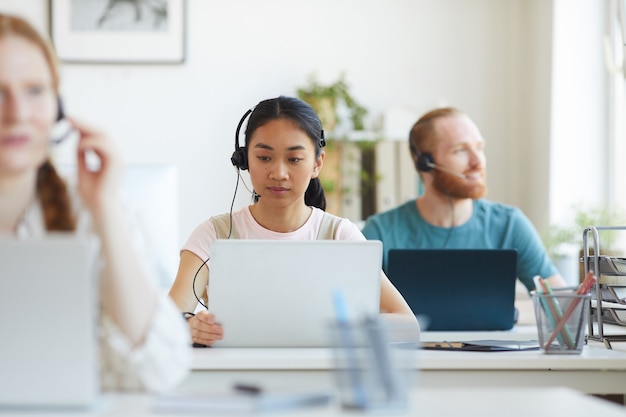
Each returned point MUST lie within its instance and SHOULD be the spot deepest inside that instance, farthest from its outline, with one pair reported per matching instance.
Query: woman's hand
(203, 328)
(97, 185)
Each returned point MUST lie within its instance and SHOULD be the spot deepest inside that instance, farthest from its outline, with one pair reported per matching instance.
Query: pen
(382, 357)
(250, 389)
(553, 309)
(360, 397)
(584, 288)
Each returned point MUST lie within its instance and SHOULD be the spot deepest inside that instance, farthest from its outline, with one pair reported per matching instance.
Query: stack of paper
(612, 283)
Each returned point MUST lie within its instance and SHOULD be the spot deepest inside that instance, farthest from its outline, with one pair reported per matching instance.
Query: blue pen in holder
(371, 373)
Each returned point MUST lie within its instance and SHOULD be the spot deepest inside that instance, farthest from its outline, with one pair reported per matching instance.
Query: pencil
(584, 288)
(553, 309)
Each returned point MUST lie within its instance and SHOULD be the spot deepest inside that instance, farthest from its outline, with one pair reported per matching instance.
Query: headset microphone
(449, 171)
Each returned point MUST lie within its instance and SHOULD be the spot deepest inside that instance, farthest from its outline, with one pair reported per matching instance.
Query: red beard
(456, 187)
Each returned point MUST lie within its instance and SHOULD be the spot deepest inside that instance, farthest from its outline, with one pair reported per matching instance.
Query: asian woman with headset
(284, 155)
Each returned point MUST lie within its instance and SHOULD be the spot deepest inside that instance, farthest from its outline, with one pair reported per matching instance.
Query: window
(615, 50)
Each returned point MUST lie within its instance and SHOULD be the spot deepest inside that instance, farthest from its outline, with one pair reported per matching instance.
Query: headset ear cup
(424, 162)
(60, 111)
(62, 129)
(239, 158)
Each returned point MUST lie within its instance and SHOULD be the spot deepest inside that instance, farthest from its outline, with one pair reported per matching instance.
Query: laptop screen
(457, 289)
(279, 293)
(49, 305)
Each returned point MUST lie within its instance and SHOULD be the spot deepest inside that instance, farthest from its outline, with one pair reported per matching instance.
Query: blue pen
(347, 344)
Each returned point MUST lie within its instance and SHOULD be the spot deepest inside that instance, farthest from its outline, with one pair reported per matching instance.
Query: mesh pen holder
(561, 321)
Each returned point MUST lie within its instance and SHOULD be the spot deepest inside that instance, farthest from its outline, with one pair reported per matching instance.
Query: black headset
(423, 161)
(60, 111)
(67, 129)
(240, 156)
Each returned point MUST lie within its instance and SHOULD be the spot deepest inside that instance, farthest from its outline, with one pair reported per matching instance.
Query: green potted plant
(324, 98)
(564, 242)
(329, 101)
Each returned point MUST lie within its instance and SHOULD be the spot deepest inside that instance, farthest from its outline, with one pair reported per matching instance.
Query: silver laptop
(48, 322)
(269, 293)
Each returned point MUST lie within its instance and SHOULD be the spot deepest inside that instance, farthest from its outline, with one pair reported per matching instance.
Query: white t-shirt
(204, 234)
(162, 360)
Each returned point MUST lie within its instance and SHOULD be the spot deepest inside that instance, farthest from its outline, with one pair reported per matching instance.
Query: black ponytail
(314, 195)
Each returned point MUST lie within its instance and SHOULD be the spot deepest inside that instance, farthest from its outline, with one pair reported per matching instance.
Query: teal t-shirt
(492, 226)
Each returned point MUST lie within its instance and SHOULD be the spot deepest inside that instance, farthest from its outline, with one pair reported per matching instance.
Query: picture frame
(119, 31)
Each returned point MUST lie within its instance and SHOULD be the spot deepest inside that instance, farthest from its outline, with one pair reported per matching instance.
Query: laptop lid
(48, 322)
(457, 289)
(272, 293)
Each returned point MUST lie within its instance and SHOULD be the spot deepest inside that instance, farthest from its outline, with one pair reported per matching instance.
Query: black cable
(451, 228)
(230, 230)
(232, 203)
(193, 284)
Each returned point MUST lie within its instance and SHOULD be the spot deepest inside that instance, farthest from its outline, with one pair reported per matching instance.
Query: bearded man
(448, 150)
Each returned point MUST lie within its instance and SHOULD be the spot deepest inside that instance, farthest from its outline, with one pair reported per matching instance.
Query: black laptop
(457, 289)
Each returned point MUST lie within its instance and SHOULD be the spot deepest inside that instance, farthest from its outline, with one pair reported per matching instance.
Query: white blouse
(164, 358)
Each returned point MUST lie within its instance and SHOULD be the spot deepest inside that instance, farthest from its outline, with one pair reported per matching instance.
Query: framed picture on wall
(119, 31)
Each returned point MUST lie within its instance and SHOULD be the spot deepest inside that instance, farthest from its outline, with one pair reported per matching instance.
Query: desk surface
(595, 356)
(597, 370)
(468, 402)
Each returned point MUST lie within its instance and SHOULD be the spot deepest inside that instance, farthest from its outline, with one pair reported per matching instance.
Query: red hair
(51, 189)
(421, 137)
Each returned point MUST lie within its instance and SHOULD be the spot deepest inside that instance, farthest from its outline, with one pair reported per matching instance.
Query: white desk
(596, 371)
(466, 402)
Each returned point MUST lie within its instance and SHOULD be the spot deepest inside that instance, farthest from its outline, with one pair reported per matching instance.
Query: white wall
(491, 58)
